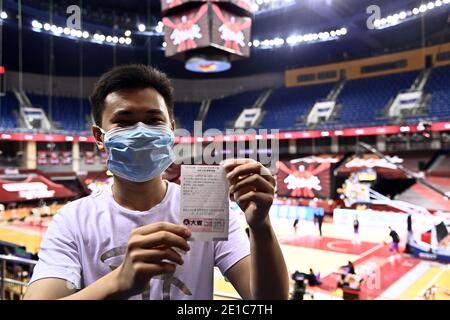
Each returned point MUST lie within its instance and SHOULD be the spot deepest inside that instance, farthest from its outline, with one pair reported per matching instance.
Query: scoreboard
(175, 4)
(207, 35)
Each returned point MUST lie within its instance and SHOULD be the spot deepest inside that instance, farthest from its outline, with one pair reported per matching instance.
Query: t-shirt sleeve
(228, 253)
(59, 255)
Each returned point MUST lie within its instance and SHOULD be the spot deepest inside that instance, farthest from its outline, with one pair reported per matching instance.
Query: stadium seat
(439, 87)
(65, 112)
(8, 104)
(223, 112)
(186, 113)
(363, 99)
(286, 105)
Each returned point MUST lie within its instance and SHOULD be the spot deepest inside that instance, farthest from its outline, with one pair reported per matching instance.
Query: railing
(3, 280)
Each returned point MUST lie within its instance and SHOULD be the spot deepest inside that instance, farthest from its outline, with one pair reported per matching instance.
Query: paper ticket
(204, 205)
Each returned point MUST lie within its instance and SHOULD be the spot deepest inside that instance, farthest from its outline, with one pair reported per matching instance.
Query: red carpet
(328, 244)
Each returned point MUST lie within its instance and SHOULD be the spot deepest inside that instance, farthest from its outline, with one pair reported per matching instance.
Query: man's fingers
(156, 256)
(255, 181)
(238, 193)
(155, 268)
(230, 164)
(160, 239)
(180, 230)
(257, 197)
(250, 169)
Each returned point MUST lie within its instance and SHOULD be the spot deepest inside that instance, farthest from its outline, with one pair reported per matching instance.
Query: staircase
(334, 94)
(24, 102)
(259, 104)
(204, 108)
(421, 80)
(262, 99)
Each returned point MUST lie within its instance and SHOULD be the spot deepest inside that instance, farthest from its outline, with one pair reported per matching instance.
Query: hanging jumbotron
(207, 35)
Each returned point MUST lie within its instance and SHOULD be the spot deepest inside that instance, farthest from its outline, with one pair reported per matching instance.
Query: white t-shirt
(87, 239)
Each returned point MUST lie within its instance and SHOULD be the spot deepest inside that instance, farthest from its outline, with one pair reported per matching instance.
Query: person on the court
(356, 239)
(295, 225)
(394, 246)
(126, 241)
(319, 223)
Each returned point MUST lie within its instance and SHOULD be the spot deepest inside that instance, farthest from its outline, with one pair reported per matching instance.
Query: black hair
(134, 76)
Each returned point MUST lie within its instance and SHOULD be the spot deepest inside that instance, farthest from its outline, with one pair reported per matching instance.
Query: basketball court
(344, 103)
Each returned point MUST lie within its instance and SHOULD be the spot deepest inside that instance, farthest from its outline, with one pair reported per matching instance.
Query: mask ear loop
(101, 130)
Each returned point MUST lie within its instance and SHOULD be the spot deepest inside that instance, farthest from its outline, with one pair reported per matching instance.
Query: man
(356, 231)
(126, 241)
(394, 246)
(295, 225)
(320, 218)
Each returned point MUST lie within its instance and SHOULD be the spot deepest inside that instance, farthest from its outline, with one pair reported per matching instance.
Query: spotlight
(66, 31)
(127, 33)
(291, 40)
(141, 27)
(128, 41)
(36, 24)
(101, 37)
(159, 27)
(402, 15)
(423, 8)
(73, 33)
(121, 40)
(108, 39)
(256, 43)
(164, 44)
(47, 27)
(3, 15)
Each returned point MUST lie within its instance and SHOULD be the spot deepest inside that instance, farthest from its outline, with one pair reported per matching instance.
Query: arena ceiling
(305, 16)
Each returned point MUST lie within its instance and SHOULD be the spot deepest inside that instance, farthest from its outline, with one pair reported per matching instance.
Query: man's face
(125, 108)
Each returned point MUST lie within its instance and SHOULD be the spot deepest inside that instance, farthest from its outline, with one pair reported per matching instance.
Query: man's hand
(252, 186)
(150, 252)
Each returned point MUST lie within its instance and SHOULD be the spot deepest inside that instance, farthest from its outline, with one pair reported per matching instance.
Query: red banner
(351, 132)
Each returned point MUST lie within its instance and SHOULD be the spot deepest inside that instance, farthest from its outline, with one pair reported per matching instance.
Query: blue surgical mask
(139, 153)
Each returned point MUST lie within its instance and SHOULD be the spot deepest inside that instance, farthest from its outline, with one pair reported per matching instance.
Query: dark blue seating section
(66, 113)
(186, 113)
(439, 86)
(223, 112)
(364, 100)
(8, 104)
(286, 105)
(362, 104)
